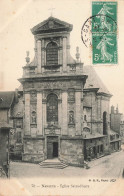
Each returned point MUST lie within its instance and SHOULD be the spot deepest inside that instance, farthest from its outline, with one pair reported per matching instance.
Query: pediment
(51, 24)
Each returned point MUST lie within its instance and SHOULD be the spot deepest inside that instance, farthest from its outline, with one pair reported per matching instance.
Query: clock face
(51, 24)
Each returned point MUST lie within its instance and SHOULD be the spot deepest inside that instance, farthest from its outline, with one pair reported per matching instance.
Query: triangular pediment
(51, 24)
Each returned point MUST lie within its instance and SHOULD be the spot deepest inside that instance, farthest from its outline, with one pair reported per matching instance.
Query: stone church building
(62, 106)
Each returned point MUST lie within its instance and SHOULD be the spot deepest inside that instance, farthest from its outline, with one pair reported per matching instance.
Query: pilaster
(43, 54)
(44, 115)
(64, 54)
(60, 112)
(64, 113)
(78, 112)
(27, 114)
(39, 56)
(39, 113)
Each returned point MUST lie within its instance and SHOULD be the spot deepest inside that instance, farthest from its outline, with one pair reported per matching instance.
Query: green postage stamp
(104, 32)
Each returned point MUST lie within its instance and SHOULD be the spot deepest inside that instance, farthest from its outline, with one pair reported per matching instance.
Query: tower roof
(51, 25)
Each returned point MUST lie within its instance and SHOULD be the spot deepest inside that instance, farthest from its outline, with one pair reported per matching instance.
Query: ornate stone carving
(71, 117)
(86, 129)
(33, 114)
(33, 96)
(51, 24)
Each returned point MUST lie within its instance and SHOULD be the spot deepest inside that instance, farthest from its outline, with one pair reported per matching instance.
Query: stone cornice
(53, 78)
(104, 94)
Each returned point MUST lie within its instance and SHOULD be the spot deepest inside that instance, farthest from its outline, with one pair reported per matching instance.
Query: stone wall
(71, 151)
(96, 147)
(98, 105)
(33, 150)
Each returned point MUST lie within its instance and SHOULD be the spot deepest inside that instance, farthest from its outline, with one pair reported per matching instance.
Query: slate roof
(20, 88)
(93, 81)
(6, 99)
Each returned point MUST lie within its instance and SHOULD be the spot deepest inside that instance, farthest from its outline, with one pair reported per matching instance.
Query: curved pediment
(51, 25)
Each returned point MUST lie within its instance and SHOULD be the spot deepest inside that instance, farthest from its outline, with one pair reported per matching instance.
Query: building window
(33, 117)
(52, 109)
(117, 136)
(52, 54)
(85, 118)
(19, 123)
(19, 137)
(101, 148)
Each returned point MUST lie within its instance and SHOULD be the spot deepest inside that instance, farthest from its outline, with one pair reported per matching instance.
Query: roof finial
(117, 109)
(51, 10)
(27, 57)
(77, 54)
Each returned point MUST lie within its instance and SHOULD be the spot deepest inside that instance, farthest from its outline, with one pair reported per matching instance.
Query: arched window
(52, 109)
(52, 54)
(104, 123)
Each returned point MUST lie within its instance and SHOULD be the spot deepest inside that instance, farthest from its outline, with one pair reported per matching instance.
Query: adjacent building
(117, 128)
(6, 101)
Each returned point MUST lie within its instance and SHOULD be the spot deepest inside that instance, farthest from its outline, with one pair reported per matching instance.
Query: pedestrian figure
(123, 174)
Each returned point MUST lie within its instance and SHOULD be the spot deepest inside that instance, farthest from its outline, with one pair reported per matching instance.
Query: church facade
(62, 109)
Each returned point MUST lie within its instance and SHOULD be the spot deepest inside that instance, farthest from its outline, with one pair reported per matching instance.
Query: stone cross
(51, 10)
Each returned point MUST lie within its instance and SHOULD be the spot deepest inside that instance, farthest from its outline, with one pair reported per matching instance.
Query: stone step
(56, 165)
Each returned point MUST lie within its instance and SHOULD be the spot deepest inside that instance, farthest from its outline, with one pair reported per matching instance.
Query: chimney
(112, 109)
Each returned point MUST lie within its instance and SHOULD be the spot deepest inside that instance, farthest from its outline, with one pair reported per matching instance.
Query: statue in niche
(71, 117)
(33, 117)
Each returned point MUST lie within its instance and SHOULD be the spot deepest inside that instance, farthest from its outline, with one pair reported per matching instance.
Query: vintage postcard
(61, 97)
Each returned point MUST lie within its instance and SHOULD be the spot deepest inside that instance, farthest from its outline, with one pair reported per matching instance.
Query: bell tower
(52, 47)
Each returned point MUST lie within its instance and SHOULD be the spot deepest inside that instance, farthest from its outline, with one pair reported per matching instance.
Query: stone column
(27, 114)
(39, 113)
(39, 56)
(64, 113)
(64, 55)
(78, 112)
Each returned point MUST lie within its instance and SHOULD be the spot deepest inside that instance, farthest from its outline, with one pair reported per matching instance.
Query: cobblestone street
(103, 173)
(108, 166)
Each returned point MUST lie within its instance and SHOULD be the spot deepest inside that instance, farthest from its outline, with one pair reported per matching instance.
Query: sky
(18, 17)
